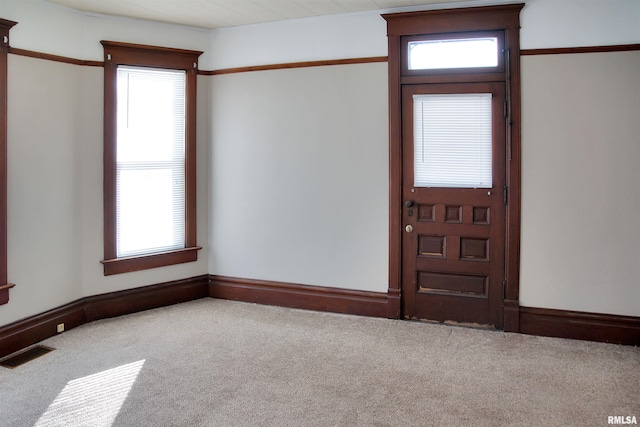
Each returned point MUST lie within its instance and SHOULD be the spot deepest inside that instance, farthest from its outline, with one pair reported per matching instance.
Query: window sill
(4, 292)
(145, 262)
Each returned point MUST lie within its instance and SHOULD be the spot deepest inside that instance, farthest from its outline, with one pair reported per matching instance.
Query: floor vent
(25, 356)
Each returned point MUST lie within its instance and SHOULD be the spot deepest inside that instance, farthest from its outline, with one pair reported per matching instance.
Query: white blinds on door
(150, 205)
(452, 140)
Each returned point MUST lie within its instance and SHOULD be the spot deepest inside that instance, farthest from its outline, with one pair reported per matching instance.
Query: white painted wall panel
(330, 37)
(581, 182)
(574, 23)
(43, 181)
(300, 176)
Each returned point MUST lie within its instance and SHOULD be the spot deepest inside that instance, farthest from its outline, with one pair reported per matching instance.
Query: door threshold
(468, 325)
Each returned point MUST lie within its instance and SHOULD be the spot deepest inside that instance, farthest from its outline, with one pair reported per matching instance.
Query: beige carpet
(222, 363)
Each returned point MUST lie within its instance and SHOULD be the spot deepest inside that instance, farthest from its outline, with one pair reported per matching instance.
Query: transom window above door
(454, 53)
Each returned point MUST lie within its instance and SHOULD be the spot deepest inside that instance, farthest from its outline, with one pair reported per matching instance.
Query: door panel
(453, 260)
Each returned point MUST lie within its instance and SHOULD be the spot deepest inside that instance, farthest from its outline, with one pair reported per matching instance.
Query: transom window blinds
(150, 193)
(452, 140)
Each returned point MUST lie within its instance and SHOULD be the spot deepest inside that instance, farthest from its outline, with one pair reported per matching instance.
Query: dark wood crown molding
(462, 19)
(149, 56)
(6, 25)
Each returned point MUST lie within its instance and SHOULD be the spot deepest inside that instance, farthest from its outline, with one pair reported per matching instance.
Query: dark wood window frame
(407, 26)
(5, 26)
(115, 54)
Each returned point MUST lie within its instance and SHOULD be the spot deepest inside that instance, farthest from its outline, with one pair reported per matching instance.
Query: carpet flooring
(222, 363)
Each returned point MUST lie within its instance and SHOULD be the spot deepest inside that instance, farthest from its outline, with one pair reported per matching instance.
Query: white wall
(571, 23)
(581, 182)
(299, 183)
(332, 37)
(43, 198)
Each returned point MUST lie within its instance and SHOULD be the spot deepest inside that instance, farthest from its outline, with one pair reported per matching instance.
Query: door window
(452, 140)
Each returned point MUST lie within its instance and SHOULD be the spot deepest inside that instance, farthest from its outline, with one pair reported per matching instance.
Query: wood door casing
(453, 261)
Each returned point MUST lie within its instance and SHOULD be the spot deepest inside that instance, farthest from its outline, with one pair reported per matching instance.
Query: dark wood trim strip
(144, 298)
(585, 49)
(5, 27)
(580, 325)
(23, 333)
(74, 61)
(368, 60)
(299, 296)
(56, 58)
(365, 60)
(514, 183)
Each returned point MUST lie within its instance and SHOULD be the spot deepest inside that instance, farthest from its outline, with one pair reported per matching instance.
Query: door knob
(409, 203)
(409, 228)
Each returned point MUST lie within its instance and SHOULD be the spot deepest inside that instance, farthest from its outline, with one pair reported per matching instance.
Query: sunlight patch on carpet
(94, 400)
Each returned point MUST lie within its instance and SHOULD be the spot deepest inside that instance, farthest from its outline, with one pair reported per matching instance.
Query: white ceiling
(229, 13)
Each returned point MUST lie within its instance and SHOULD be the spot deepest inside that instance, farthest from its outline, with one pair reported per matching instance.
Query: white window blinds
(150, 183)
(452, 140)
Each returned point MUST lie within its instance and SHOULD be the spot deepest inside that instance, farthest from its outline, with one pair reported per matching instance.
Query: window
(149, 157)
(473, 52)
(455, 53)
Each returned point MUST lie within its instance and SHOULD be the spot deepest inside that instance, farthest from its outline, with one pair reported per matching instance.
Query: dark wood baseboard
(394, 304)
(511, 315)
(23, 333)
(527, 320)
(299, 296)
(579, 325)
(144, 298)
